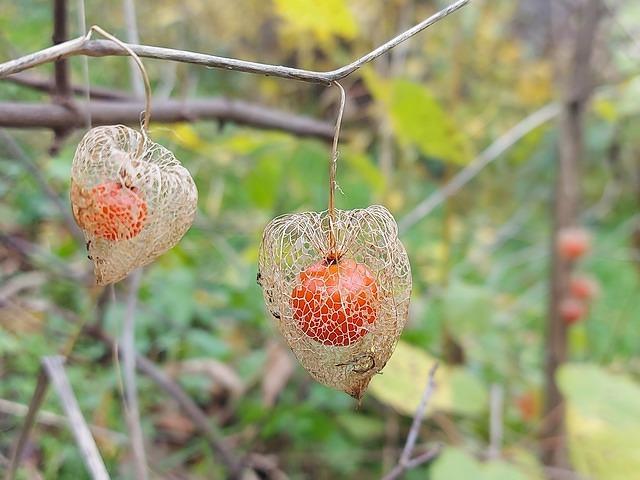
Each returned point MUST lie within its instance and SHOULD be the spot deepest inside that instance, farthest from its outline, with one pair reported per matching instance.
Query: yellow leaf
(605, 109)
(324, 20)
(187, 137)
(404, 377)
(603, 421)
(535, 83)
(419, 119)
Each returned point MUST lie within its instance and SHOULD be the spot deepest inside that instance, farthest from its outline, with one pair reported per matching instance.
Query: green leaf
(468, 309)
(454, 464)
(263, 182)
(419, 119)
(603, 420)
(595, 393)
(404, 378)
(361, 428)
(365, 170)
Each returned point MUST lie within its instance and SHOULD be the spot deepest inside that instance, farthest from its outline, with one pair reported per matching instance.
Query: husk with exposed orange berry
(131, 197)
(338, 290)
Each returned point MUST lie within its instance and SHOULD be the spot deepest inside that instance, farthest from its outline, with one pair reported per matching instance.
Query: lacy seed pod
(338, 290)
(131, 197)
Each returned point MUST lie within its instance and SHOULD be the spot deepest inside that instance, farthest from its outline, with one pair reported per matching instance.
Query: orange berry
(335, 303)
(584, 288)
(109, 210)
(572, 310)
(527, 404)
(573, 243)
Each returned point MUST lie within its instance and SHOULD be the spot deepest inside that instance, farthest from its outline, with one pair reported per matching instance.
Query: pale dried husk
(122, 154)
(291, 243)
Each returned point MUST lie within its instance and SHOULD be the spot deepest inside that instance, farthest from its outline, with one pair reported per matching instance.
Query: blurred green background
(480, 261)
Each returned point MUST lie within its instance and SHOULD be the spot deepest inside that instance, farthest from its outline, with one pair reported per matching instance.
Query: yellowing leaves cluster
(404, 377)
(324, 20)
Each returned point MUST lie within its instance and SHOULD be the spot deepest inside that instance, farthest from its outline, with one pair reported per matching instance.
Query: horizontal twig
(187, 405)
(132, 408)
(44, 84)
(54, 366)
(42, 384)
(44, 115)
(100, 48)
(406, 462)
(50, 419)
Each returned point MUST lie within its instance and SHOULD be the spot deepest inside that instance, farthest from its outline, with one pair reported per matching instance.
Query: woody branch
(101, 48)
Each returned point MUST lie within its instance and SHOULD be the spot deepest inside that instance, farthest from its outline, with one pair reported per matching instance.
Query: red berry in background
(109, 210)
(336, 301)
(572, 310)
(583, 287)
(573, 243)
(527, 404)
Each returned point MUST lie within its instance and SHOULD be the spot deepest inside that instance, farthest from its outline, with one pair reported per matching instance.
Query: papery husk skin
(293, 242)
(121, 154)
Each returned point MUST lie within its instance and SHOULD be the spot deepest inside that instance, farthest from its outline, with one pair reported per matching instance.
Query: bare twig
(186, 404)
(96, 48)
(42, 383)
(43, 84)
(25, 281)
(495, 421)
(60, 35)
(42, 259)
(577, 77)
(132, 410)
(333, 166)
(62, 91)
(54, 367)
(51, 419)
(82, 27)
(425, 457)
(406, 462)
(42, 115)
(491, 153)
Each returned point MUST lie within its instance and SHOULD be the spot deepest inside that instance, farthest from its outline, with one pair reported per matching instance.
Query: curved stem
(95, 48)
(143, 72)
(333, 167)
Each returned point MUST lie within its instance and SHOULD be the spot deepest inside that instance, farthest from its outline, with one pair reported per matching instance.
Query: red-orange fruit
(583, 287)
(573, 243)
(572, 310)
(335, 302)
(110, 210)
(527, 404)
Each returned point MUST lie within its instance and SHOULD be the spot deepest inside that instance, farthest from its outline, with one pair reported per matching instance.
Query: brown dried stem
(84, 46)
(143, 72)
(132, 409)
(199, 419)
(43, 115)
(54, 368)
(406, 462)
(333, 166)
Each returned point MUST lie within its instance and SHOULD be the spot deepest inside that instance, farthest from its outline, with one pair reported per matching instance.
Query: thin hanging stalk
(333, 166)
(147, 86)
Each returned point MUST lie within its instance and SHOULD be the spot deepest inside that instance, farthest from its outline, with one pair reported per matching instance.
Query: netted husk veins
(131, 197)
(338, 290)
